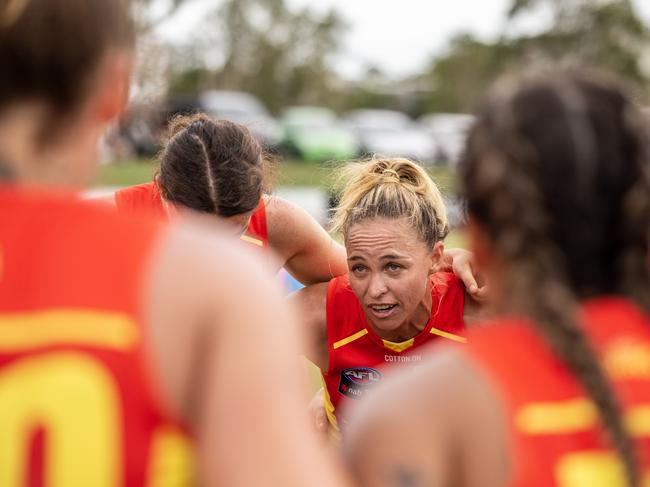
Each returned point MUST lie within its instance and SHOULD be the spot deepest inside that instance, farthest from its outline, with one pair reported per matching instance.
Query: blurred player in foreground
(123, 344)
(557, 391)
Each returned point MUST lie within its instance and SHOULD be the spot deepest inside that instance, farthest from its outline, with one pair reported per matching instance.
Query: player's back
(78, 406)
(555, 432)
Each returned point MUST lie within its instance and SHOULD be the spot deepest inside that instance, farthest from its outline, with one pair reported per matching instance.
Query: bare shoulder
(209, 261)
(198, 281)
(286, 219)
(439, 425)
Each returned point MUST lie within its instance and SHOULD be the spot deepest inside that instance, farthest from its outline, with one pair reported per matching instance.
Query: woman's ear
(436, 257)
(112, 90)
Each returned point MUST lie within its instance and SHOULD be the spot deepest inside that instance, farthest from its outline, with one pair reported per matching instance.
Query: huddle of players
(134, 352)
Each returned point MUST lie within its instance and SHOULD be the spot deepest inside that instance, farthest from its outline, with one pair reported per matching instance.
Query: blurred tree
(458, 78)
(146, 16)
(606, 34)
(281, 56)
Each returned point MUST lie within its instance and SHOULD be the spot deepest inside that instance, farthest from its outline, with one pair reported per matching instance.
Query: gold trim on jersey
(399, 347)
(171, 459)
(254, 241)
(350, 339)
(637, 420)
(446, 334)
(25, 331)
(575, 415)
(556, 417)
(627, 358)
(334, 431)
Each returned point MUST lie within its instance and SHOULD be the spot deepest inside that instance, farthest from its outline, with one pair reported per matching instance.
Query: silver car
(393, 134)
(243, 108)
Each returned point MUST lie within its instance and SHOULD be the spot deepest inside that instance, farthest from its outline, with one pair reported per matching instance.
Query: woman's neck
(67, 160)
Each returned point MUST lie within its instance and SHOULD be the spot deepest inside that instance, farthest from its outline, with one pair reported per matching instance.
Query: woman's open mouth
(382, 310)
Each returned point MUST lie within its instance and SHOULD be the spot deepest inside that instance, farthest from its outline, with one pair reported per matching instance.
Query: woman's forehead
(384, 234)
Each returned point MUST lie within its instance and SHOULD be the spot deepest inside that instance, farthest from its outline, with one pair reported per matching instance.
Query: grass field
(288, 173)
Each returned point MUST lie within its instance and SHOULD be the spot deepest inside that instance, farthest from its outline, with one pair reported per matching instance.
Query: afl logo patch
(356, 382)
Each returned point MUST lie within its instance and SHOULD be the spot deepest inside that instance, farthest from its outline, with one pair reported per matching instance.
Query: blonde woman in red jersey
(118, 350)
(392, 301)
(557, 391)
(216, 167)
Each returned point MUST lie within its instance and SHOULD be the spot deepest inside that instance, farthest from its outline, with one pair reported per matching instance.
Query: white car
(243, 108)
(393, 134)
(449, 130)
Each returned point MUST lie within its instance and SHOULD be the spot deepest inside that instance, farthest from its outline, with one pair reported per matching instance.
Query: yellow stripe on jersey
(172, 459)
(254, 241)
(592, 468)
(350, 339)
(627, 358)
(399, 347)
(637, 420)
(446, 334)
(334, 431)
(21, 332)
(575, 415)
(559, 417)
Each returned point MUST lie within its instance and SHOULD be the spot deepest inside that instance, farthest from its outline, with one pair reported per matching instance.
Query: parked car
(243, 108)
(317, 134)
(449, 130)
(391, 133)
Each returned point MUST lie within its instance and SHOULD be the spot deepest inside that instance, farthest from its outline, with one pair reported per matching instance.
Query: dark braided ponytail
(635, 215)
(552, 173)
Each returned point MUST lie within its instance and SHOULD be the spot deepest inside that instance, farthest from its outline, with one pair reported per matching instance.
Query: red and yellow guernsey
(357, 354)
(146, 198)
(78, 404)
(556, 435)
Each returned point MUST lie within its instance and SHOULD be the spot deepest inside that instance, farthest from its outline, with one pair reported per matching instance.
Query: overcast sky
(398, 36)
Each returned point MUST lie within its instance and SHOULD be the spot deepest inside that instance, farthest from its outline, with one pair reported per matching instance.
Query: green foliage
(125, 173)
(284, 57)
(288, 173)
(607, 35)
(281, 56)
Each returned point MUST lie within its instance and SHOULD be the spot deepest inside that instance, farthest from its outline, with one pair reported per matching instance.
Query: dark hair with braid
(556, 172)
(213, 166)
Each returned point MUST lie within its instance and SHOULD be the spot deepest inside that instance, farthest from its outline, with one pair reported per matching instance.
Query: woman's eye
(358, 268)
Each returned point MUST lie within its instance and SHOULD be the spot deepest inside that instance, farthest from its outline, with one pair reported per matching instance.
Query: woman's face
(389, 268)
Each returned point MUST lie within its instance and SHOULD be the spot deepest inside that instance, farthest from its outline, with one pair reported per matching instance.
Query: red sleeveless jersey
(257, 232)
(142, 198)
(145, 198)
(357, 354)
(78, 405)
(556, 435)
